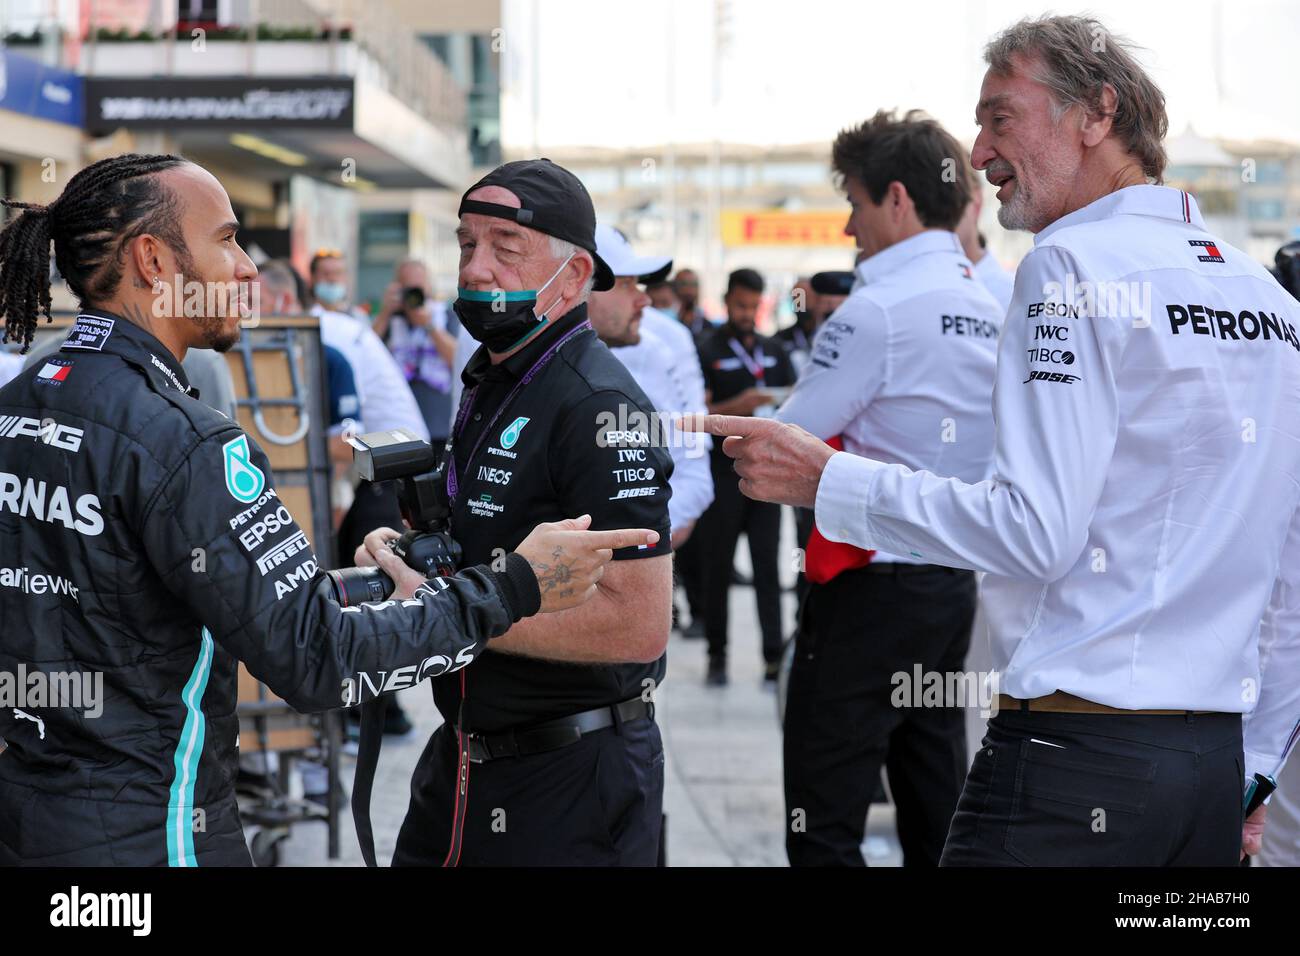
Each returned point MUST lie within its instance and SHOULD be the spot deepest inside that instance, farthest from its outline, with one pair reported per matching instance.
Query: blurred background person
(744, 372)
(618, 316)
(829, 290)
(421, 334)
(895, 377)
(662, 296)
(797, 337)
(688, 568)
(386, 403)
(987, 268)
(279, 286)
(686, 287)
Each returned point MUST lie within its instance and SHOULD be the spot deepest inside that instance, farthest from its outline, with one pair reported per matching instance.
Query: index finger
(723, 425)
(613, 540)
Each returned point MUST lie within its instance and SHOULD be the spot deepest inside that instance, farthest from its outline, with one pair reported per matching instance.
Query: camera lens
(353, 586)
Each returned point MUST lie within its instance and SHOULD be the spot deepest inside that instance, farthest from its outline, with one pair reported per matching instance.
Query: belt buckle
(477, 742)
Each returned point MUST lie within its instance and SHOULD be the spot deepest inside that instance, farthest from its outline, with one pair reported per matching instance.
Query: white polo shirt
(1140, 530)
(686, 356)
(996, 279)
(386, 399)
(655, 368)
(903, 369)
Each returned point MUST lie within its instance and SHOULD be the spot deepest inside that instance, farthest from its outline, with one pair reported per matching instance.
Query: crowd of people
(929, 415)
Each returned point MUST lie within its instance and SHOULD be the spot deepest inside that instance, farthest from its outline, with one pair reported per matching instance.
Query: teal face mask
(499, 319)
(329, 293)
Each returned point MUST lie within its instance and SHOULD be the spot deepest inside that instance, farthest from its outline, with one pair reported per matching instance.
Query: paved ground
(723, 768)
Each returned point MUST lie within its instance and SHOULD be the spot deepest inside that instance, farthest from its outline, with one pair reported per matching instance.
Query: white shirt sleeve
(658, 370)
(387, 395)
(1269, 728)
(1056, 426)
(848, 366)
(692, 480)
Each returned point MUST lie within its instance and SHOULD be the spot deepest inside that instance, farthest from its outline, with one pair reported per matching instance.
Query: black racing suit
(143, 550)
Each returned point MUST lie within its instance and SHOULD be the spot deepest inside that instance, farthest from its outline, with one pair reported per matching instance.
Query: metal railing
(394, 58)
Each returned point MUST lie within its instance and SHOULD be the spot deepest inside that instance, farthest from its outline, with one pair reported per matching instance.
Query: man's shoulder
(667, 327)
(713, 340)
(592, 375)
(1116, 247)
(103, 392)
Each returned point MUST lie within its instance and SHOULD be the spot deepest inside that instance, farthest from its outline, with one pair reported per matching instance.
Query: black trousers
(845, 717)
(597, 802)
(688, 568)
(1102, 790)
(719, 529)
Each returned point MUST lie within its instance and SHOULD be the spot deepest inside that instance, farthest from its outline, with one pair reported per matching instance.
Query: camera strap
(467, 403)
(368, 745)
(372, 712)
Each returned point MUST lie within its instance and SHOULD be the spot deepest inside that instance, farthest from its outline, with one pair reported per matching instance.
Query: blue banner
(33, 89)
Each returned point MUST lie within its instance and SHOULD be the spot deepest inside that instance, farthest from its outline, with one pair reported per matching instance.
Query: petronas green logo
(244, 479)
(511, 433)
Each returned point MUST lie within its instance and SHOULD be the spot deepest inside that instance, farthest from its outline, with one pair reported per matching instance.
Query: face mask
(501, 320)
(329, 292)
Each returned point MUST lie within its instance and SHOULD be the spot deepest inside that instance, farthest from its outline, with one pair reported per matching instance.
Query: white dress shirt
(655, 368)
(996, 279)
(903, 369)
(386, 399)
(1140, 529)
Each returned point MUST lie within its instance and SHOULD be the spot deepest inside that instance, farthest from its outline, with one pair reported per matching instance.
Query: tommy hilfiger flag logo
(1212, 253)
(54, 372)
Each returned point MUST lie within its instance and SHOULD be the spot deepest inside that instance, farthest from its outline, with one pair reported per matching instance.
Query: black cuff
(518, 584)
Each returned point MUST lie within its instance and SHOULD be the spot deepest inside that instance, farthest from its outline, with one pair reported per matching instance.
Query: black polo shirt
(729, 369)
(579, 437)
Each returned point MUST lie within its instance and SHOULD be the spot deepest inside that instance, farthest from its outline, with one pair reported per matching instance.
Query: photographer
(421, 334)
(156, 554)
(558, 720)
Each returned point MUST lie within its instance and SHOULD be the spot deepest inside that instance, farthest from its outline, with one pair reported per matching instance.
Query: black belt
(901, 568)
(554, 734)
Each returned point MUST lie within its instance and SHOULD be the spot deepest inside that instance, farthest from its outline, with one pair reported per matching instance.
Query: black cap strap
(522, 216)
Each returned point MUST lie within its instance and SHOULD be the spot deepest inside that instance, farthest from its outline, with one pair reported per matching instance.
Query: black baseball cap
(833, 283)
(552, 200)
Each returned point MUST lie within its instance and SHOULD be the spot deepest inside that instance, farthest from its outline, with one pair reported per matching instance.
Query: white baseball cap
(613, 247)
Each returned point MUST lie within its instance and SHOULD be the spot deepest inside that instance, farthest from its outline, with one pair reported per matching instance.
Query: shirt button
(478, 416)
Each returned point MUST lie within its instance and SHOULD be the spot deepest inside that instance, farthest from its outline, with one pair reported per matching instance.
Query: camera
(398, 455)
(412, 297)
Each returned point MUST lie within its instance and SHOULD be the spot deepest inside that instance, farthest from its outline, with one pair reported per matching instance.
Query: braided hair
(103, 207)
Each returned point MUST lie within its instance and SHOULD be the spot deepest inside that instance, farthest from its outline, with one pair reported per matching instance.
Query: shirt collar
(480, 365)
(893, 258)
(1160, 202)
(98, 330)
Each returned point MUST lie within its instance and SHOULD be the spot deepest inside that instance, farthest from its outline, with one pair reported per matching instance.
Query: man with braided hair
(145, 551)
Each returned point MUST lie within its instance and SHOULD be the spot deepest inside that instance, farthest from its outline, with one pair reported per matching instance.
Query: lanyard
(754, 363)
(467, 402)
